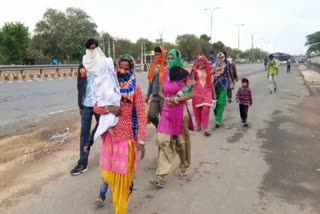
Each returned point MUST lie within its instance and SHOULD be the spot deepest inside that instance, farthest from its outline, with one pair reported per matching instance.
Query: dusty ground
(270, 168)
(23, 148)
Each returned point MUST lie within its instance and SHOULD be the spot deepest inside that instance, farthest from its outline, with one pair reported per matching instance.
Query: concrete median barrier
(10, 76)
(17, 77)
(70, 75)
(24, 77)
(75, 72)
(62, 73)
(40, 72)
(6, 77)
(2, 78)
(49, 73)
(31, 74)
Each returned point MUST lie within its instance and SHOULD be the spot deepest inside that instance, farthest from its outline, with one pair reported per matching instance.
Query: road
(269, 168)
(23, 104)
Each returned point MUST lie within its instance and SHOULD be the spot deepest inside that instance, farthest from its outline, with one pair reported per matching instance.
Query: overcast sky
(284, 23)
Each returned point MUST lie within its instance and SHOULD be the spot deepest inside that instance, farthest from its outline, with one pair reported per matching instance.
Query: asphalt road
(23, 104)
(269, 168)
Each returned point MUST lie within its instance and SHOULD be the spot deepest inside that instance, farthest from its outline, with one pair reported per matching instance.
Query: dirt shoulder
(22, 150)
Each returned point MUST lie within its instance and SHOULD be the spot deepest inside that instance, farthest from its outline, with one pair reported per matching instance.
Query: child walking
(244, 98)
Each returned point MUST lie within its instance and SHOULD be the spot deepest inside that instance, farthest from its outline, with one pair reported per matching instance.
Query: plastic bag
(214, 104)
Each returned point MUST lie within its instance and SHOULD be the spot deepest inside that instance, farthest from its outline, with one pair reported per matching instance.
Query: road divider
(311, 79)
(32, 73)
(37, 72)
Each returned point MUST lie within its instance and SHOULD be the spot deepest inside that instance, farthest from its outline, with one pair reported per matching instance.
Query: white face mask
(92, 53)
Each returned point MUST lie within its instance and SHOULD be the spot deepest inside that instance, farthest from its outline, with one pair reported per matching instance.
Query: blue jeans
(103, 190)
(86, 139)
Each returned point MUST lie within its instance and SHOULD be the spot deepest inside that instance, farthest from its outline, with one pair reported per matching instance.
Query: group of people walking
(178, 101)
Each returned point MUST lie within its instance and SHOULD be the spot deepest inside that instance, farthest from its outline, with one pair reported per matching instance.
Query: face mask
(172, 63)
(121, 72)
(202, 65)
(92, 53)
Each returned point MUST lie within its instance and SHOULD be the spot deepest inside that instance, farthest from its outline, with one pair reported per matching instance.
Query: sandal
(131, 188)
(182, 174)
(207, 134)
(100, 202)
(158, 182)
(130, 191)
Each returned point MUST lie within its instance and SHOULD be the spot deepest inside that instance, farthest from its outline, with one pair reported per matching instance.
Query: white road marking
(9, 82)
(61, 111)
(284, 90)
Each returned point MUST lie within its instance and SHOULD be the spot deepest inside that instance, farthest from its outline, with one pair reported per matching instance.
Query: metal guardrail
(35, 67)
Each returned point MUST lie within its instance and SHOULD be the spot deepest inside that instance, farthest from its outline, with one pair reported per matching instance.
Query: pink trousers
(202, 114)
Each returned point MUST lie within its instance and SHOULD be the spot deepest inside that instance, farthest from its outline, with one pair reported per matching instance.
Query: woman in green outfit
(222, 81)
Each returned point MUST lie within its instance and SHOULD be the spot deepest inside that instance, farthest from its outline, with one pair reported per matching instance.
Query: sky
(277, 25)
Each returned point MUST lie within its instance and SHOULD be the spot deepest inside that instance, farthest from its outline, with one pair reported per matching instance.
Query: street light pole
(114, 49)
(142, 58)
(252, 40)
(238, 26)
(109, 47)
(211, 23)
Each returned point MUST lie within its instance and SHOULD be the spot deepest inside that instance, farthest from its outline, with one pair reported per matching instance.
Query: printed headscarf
(220, 66)
(202, 63)
(162, 63)
(176, 71)
(128, 81)
(127, 88)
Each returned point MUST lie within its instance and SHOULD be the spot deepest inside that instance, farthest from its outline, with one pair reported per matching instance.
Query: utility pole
(252, 40)
(114, 49)
(211, 20)
(238, 26)
(104, 45)
(144, 53)
(141, 58)
(161, 37)
(109, 47)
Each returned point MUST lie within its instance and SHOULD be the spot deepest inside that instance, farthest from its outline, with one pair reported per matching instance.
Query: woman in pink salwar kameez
(204, 92)
(172, 132)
